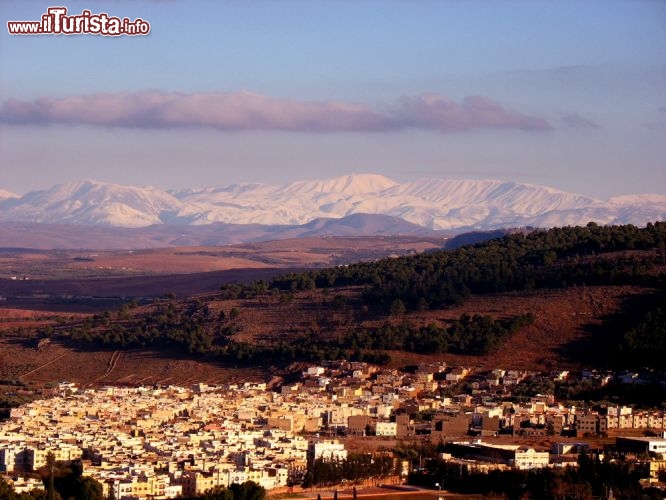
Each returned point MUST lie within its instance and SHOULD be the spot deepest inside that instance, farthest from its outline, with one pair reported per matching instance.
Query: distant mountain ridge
(435, 204)
(77, 236)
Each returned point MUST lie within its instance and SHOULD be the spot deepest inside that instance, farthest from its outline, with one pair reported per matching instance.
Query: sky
(568, 94)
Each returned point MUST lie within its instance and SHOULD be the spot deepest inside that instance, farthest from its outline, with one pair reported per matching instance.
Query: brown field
(297, 253)
(22, 359)
(26, 318)
(90, 281)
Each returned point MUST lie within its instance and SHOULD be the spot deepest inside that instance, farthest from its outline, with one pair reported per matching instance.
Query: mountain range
(77, 236)
(434, 204)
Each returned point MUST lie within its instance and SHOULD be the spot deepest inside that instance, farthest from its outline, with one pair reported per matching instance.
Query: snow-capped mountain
(92, 202)
(431, 203)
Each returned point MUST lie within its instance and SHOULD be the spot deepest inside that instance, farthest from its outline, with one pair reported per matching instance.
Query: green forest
(469, 335)
(551, 258)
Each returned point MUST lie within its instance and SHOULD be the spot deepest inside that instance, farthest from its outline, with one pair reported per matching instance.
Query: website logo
(56, 21)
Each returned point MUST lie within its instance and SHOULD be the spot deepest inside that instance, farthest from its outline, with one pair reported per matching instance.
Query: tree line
(196, 329)
(355, 468)
(558, 257)
(191, 326)
(477, 334)
(249, 490)
(593, 478)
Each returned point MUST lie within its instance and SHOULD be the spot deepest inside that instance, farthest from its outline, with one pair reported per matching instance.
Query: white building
(328, 450)
(386, 429)
(528, 458)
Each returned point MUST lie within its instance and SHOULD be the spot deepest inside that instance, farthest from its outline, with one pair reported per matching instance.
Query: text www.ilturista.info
(57, 22)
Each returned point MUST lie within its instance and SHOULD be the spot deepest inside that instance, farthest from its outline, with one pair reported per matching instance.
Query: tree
(398, 308)
(50, 466)
(249, 490)
(218, 493)
(87, 488)
(550, 428)
(112, 491)
(6, 491)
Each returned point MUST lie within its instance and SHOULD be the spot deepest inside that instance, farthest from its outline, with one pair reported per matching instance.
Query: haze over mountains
(76, 236)
(433, 204)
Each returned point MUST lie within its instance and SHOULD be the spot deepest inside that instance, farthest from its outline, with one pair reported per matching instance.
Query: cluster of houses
(162, 442)
(149, 442)
(376, 401)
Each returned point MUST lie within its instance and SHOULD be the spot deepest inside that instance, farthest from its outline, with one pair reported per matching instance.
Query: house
(328, 450)
(386, 429)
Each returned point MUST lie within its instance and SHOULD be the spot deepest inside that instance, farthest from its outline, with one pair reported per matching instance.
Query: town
(163, 442)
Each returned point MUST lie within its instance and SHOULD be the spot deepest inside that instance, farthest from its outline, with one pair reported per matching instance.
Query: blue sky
(569, 94)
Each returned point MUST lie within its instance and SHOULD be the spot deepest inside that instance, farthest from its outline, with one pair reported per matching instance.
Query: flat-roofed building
(386, 429)
(328, 450)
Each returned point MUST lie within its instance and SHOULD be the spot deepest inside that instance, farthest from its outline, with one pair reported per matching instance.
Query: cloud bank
(244, 111)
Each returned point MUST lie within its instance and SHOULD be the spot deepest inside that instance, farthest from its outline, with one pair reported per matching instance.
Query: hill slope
(518, 301)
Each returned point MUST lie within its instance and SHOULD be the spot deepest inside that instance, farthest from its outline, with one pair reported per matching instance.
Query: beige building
(389, 429)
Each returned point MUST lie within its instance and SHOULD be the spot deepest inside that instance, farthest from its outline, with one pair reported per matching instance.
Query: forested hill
(560, 257)
(297, 317)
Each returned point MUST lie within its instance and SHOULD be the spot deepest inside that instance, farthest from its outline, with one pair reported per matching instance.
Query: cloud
(574, 120)
(239, 111)
(431, 111)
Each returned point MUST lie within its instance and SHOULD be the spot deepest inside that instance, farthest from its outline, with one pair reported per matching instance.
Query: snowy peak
(92, 202)
(431, 203)
(349, 185)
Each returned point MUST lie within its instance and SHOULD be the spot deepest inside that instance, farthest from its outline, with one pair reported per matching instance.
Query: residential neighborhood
(162, 442)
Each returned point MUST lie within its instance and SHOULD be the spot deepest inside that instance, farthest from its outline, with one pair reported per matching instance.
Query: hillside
(564, 321)
(563, 298)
